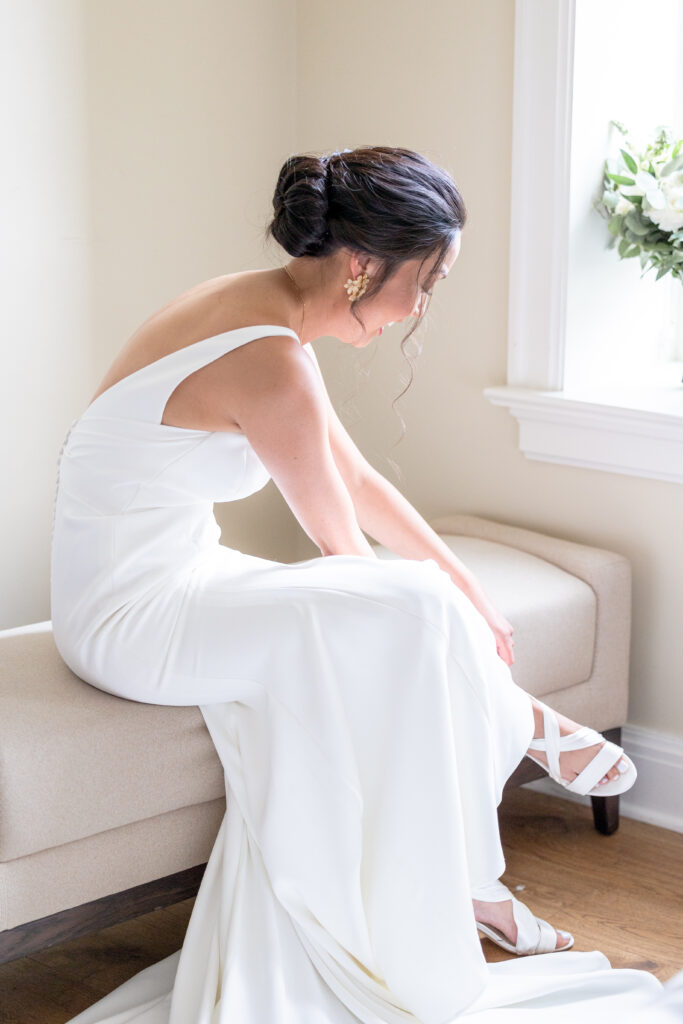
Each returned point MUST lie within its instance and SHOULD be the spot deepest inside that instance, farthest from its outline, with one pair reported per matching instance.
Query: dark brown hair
(390, 203)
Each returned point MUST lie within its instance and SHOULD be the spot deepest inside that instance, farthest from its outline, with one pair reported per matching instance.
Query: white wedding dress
(364, 720)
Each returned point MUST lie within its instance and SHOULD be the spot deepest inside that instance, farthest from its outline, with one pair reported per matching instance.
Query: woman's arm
(280, 406)
(390, 519)
(383, 512)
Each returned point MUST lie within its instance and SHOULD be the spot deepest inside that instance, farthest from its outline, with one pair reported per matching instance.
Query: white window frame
(634, 431)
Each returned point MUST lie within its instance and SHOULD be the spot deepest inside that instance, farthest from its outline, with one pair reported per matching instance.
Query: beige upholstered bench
(109, 808)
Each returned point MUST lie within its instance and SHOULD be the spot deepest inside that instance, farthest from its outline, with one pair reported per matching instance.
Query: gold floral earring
(355, 287)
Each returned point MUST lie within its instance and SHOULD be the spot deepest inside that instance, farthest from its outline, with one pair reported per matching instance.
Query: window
(595, 354)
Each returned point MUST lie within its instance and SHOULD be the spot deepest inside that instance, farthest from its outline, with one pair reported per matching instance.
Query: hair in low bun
(392, 204)
(301, 207)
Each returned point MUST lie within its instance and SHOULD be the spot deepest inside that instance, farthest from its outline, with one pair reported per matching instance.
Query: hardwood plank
(55, 984)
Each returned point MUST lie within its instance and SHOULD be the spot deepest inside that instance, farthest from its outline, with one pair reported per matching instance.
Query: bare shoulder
(267, 370)
(274, 370)
(210, 308)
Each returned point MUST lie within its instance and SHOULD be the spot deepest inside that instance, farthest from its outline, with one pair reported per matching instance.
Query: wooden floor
(620, 894)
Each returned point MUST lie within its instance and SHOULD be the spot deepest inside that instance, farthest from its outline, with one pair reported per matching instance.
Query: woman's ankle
(538, 720)
(567, 725)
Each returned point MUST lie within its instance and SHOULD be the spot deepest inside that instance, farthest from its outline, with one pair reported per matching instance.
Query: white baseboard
(657, 796)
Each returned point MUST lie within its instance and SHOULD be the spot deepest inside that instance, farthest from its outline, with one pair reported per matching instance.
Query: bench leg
(606, 814)
(606, 808)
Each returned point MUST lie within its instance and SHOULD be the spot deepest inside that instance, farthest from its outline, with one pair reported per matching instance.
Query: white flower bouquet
(642, 201)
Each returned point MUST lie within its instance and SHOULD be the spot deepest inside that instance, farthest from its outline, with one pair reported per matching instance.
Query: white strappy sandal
(587, 781)
(534, 935)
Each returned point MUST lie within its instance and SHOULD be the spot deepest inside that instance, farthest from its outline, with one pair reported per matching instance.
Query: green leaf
(629, 161)
(624, 246)
(621, 179)
(651, 169)
(636, 200)
(633, 251)
(634, 222)
(661, 272)
(614, 225)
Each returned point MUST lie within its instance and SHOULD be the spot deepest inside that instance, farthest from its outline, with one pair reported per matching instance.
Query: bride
(363, 709)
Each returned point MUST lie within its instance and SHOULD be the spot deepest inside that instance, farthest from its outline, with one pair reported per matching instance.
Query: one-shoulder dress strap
(143, 395)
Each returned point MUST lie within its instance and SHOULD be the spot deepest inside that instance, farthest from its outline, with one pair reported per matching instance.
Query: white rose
(670, 216)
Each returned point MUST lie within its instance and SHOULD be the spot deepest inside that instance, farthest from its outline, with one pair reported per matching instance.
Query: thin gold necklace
(303, 305)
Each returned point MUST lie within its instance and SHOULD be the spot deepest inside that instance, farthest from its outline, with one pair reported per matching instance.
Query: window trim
(554, 426)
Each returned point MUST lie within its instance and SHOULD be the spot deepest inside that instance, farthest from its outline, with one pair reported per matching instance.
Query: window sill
(633, 430)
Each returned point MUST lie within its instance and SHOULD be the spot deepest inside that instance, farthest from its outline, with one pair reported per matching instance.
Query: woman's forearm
(390, 519)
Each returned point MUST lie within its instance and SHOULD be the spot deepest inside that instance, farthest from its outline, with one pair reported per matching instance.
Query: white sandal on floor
(534, 935)
(587, 781)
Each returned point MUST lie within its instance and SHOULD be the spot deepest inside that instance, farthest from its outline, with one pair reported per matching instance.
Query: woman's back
(202, 400)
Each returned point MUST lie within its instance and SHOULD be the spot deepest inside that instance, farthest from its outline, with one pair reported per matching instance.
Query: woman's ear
(360, 262)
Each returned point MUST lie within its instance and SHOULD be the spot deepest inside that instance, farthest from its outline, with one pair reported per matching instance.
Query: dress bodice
(133, 508)
(125, 458)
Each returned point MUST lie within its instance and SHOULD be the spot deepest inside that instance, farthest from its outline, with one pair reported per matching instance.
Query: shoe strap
(534, 935)
(550, 742)
(581, 738)
(553, 744)
(605, 759)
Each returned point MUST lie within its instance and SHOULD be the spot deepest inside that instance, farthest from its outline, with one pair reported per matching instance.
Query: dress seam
(147, 482)
(270, 696)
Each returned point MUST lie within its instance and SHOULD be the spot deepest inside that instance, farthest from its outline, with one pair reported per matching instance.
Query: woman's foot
(499, 915)
(572, 762)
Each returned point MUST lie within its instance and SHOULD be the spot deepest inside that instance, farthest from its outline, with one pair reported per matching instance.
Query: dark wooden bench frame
(163, 892)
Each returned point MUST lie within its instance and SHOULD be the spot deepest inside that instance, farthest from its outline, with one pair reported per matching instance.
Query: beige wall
(143, 139)
(44, 302)
(191, 108)
(191, 111)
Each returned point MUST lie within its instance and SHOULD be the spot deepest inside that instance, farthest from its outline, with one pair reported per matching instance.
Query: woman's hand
(502, 631)
(500, 627)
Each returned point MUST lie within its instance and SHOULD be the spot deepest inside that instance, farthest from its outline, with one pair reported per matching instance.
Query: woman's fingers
(504, 648)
